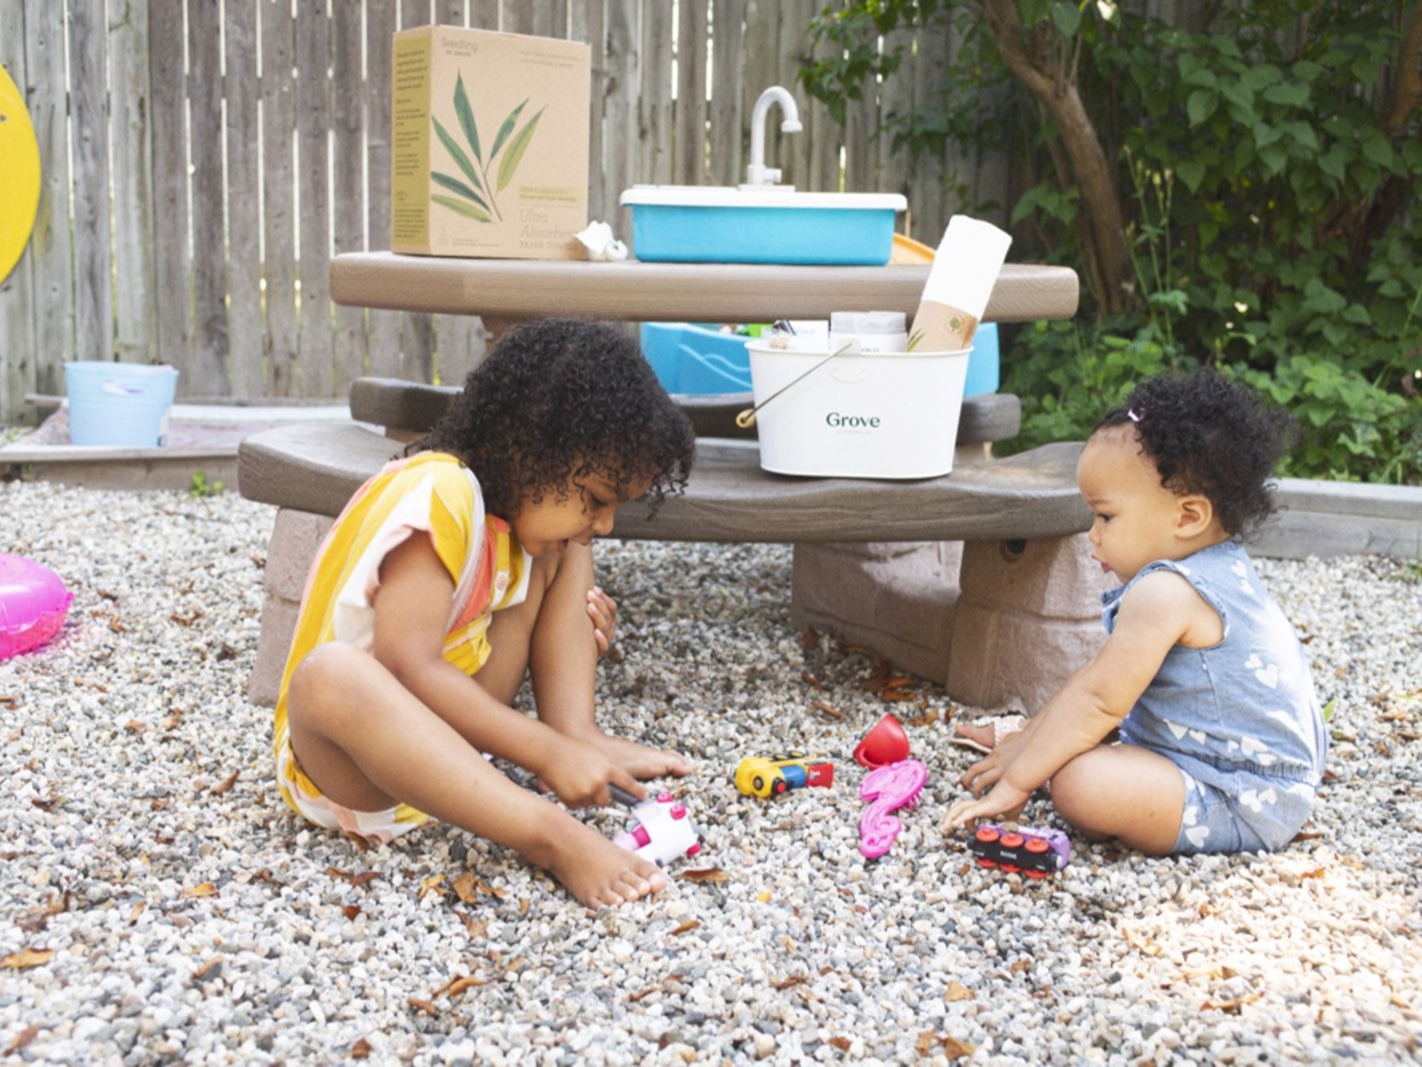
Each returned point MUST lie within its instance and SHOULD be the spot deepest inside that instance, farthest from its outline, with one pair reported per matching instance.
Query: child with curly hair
(456, 570)
(1221, 739)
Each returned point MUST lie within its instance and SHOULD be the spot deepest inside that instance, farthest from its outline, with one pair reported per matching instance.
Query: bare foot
(983, 734)
(596, 872)
(639, 760)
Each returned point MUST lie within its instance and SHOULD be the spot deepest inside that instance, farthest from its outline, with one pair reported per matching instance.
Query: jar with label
(876, 331)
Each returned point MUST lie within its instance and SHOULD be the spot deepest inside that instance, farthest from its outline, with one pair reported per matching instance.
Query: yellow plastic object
(20, 164)
(907, 250)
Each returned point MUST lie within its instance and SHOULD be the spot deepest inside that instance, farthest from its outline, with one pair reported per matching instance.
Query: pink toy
(661, 830)
(33, 604)
(887, 789)
(886, 743)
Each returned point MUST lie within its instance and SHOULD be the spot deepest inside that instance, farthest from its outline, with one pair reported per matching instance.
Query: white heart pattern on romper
(1251, 745)
(1255, 800)
(1268, 675)
(1176, 728)
(1196, 835)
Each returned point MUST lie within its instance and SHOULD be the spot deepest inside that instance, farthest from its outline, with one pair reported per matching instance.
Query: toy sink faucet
(757, 173)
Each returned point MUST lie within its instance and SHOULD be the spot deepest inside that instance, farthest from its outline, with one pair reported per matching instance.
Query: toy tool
(760, 776)
(1036, 852)
(887, 789)
(886, 743)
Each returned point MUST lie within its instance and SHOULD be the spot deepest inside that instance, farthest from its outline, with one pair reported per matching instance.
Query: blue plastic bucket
(122, 404)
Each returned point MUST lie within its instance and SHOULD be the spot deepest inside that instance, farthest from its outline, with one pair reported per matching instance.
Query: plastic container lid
(867, 322)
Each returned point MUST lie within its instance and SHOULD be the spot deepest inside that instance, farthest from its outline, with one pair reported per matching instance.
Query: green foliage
(1273, 208)
(201, 487)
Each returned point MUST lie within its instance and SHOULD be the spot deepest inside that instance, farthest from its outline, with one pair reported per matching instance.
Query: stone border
(1323, 518)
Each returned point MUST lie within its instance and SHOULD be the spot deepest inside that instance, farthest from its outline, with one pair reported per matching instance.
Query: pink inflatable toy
(33, 603)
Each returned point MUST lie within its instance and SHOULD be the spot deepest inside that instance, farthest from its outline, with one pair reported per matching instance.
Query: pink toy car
(661, 830)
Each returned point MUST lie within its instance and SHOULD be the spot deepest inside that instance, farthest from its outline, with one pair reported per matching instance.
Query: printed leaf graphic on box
(457, 190)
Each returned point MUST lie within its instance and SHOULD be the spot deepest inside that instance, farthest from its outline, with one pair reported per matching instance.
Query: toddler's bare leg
(1123, 791)
(551, 635)
(366, 741)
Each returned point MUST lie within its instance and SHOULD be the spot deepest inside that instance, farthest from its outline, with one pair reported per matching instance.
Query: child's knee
(326, 669)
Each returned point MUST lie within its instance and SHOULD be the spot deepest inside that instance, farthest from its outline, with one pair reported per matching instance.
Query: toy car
(661, 831)
(761, 776)
(1036, 852)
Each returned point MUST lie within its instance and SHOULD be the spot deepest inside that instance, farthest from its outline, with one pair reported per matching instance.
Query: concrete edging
(1325, 518)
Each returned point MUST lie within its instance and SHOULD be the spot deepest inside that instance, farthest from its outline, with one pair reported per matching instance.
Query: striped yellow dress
(433, 493)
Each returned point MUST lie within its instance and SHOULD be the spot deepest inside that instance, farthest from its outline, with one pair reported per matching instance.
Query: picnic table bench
(953, 577)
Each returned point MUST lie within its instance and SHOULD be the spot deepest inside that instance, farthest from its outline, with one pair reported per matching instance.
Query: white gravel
(159, 904)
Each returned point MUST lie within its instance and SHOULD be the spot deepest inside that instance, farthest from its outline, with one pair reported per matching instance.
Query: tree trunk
(1032, 62)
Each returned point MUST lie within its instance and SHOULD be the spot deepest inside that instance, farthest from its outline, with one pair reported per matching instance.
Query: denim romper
(1239, 719)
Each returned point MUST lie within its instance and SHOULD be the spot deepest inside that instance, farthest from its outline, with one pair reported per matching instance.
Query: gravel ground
(159, 904)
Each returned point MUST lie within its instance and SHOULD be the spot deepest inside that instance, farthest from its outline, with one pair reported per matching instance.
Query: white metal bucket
(892, 415)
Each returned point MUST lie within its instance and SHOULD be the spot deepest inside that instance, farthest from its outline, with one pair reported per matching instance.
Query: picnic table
(860, 544)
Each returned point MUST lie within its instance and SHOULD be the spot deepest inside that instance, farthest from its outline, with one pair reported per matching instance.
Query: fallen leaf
(10, 700)
(212, 964)
(957, 991)
(706, 874)
(225, 786)
(422, 1005)
(841, 1043)
(957, 1050)
(810, 680)
(926, 1040)
(523, 906)
(187, 620)
(475, 927)
(788, 981)
(203, 889)
(23, 1038)
(459, 985)
(360, 1049)
(689, 925)
(810, 639)
(26, 958)
(351, 912)
(432, 884)
(133, 726)
(828, 709)
(466, 888)
(896, 695)
(1232, 1005)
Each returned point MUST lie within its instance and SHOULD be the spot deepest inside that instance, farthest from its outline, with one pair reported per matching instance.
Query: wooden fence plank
(793, 150)
(169, 166)
(654, 162)
(347, 184)
(692, 42)
(930, 200)
(382, 327)
(89, 141)
(762, 70)
(283, 348)
(313, 123)
(135, 269)
(619, 95)
(726, 113)
(17, 323)
(244, 220)
(204, 371)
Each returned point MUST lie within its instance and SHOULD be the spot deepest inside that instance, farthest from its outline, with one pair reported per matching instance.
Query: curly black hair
(559, 399)
(1211, 436)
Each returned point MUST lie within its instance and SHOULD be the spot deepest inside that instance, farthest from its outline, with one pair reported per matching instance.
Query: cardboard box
(489, 147)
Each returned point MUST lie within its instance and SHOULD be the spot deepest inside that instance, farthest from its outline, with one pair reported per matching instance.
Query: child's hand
(580, 775)
(602, 609)
(1003, 801)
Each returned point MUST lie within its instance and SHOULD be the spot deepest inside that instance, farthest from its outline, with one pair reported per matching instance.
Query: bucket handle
(746, 419)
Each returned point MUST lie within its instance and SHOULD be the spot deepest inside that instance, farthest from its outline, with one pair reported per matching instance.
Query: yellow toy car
(763, 776)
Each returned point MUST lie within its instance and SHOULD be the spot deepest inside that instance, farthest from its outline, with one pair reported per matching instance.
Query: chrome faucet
(757, 173)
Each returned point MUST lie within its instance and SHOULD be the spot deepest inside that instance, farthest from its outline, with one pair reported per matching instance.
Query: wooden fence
(202, 161)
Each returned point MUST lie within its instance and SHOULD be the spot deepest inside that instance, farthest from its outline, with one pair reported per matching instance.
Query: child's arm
(1160, 611)
(411, 608)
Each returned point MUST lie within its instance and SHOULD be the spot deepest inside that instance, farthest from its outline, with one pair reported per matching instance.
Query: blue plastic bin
(696, 359)
(984, 364)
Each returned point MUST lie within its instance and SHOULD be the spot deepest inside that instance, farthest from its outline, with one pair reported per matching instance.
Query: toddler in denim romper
(1195, 728)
